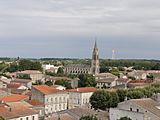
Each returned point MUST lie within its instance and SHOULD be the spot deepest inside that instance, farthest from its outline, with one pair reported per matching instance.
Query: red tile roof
(13, 98)
(14, 85)
(15, 111)
(46, 89)
(83, 89)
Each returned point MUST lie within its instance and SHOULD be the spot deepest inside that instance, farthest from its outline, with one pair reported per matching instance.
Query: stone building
(33, 74)
(17, 111)
(137, 109)
(80, 97)
(53, 99)
(85, 69)
(77, 69)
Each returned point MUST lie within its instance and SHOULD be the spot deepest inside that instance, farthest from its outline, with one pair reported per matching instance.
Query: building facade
(137, 109)
(33, 74)
(80, 97)
(53, 99)
(77, 69)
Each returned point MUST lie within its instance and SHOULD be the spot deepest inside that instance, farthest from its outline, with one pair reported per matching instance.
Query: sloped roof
(148, 104)
(15, 110)
(13, 98)
(83, 89)
(46, 89)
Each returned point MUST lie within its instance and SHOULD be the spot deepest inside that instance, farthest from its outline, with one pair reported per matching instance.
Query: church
(85, 69)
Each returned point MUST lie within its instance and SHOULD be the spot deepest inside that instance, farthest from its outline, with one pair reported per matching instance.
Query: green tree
(135, 94)
(24, 76)
(13, 68)
(49, 83)
(29, 65)
(1, 118)
(121, 94)
(125, 118)
(64, 83)
(150, 77)
(114, 99)
(60, 70)
(100, 100)
(88, 118)
(87, 80)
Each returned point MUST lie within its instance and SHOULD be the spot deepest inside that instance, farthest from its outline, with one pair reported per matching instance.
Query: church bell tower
(95, 60)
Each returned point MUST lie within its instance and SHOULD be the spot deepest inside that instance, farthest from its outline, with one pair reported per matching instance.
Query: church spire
(95, 45)
(95, 60)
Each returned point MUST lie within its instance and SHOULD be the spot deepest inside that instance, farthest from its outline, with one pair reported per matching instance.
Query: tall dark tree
(100, 100)
(87, 80)
(60, 70)
(114, 99)
(121, 94)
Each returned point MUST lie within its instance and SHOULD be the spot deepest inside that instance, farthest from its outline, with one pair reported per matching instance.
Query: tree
(1, 118)
(49, 83)
(88, 118)
(125, 118)
(29, 65)
(121, 94)
(13, 68)
(64, 83)
(24, 76)
(114, 99)
(60, 70)
(135, 94)
(87, 80)
(150, 77)
(100, 100)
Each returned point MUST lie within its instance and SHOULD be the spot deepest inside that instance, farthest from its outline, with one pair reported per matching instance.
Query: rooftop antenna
(113, 54)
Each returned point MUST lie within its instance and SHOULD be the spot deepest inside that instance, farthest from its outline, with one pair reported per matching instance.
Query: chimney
(77, 89)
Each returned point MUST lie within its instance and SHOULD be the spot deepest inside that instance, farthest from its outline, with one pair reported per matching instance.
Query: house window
(130, 109)
(33, 117)
(21, 119)
(137, 110)
(26, 118)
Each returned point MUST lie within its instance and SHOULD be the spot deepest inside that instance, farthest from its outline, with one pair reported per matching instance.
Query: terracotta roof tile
(13, 98)
(15, 111)
(13, 85)
(83, 89)
(46, 89)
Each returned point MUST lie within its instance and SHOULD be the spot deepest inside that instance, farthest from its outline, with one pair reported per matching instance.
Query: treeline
(24, 65)
(136, 64)
(104, 100)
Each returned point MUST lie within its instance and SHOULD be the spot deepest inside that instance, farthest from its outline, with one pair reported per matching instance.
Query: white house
(50, 67)
(53, 99)
(106, 83)
(80, 96)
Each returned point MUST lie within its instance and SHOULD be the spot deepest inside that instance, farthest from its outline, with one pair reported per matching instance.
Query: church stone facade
(85, 69)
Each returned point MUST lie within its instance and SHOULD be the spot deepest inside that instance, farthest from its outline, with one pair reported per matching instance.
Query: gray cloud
(70, 25)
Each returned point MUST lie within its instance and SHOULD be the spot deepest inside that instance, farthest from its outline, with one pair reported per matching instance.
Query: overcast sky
(67, 28)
